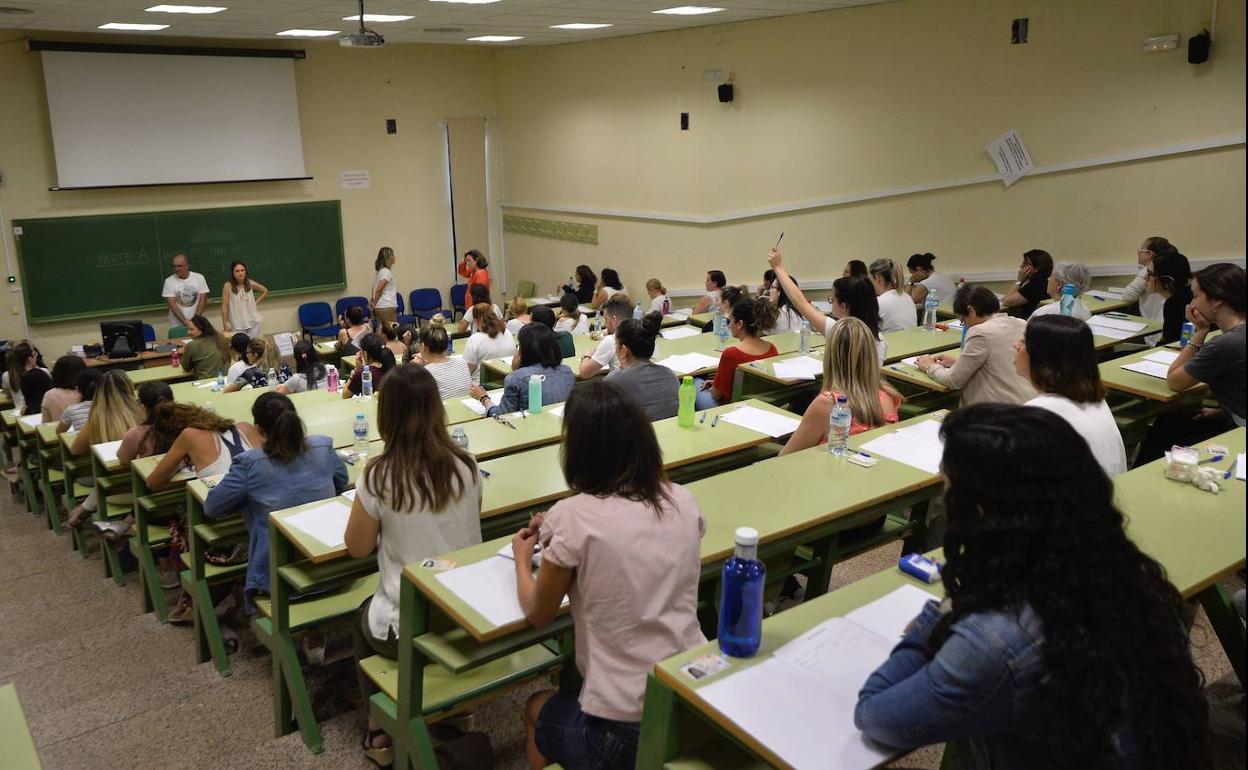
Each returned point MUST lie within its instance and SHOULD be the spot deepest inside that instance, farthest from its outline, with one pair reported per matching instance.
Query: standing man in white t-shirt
(185, 293)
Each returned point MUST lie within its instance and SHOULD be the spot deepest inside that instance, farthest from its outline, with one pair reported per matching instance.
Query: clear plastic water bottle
(838, 427)
(686, 398)
(637, 312)
(459, 438)
(450, 346)
(741, 600)
(535, 393)
(1068, 299)
(360, 430)
(220, 380)
(366, 382)
(331, 378)
(721, 329)
(598, 324)
(271, 378)
(929, 311)
(803, 337)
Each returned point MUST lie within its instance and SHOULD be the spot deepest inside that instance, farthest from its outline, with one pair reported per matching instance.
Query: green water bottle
(686, 398)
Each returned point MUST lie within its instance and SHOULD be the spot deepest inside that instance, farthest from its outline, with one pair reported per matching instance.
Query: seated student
(20, 359)
(517, 315)
(586, 283)
(287, 469)
(745, 323)
(238, 351)
(450, 374)
(571, 319)
(390, 333)
(659, 301)
(897, 309)
(614, 311)
(262, 358)
(609, 285)
(1217, 298)
(1169, 278)
(419, 498)
(788, 318)
(111, 410)
(850, 369)
(491, 340)
(354, 327)
(75, 415)
(854, 267)
(769, 287)
(1032, 287)
(379, 360)
(478, 294)
(539, 357)
(984, 370)
(1058, 357)
(35, 385)
(1024, 661)
(309, 373)
(715, 283)
(656, 388)
(1064, 273)
(629, 612)
(729, 296)
(545, 316)
(1137, 290)
(851, 296)
(207, 352)
(64, 389)
(925, 279)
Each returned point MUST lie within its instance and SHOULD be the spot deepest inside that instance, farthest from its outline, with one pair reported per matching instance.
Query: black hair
(543, 315)
(65, 372)
(570, 305)
(1171, 269)
(585, 276)
(729, 295)
(1041, 260)
(921, 261)
(1158, 245)
(1062, 358)
(783, 301)
(275, 415)
(611, 278)
(476, 254)
(978, 298)
(86, 382)
(354, 315)
(638, 335)
(238, 343)
(479, 293)
(857, 267)
(1223, 282)
(375, 348)
(308, 363)
(769, 276)
(717, 277)
(35, 383)
(858, 294)
(151, 394)
(756, 314)
(537, 346)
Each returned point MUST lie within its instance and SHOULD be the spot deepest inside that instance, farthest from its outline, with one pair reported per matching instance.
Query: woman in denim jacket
(538, 355)
(1060, 644)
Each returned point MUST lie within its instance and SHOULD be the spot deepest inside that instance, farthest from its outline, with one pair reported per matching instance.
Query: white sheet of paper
(762, 421)
(1239, 467)
(475, 406)
(349, 494)
(31, 419)
(689, 362)
(1162, 356)
(285, 343)
(1121, 324)
(928, 430)
(326, 522)
(907, 449)
(1119, 290)
(684, 313)
(912, 360)
(1112, 333)
(1010, 156)
(1106, 294)
(677, 332)
(798, 368)
(1151, 368)
(489, 587)
(107, 452)
(556, 410)
(206, 384)
(954, 324)
(839, 652)
(889, 615)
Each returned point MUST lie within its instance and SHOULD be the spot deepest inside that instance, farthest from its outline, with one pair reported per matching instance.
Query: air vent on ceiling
(11, 11)
(449, 30)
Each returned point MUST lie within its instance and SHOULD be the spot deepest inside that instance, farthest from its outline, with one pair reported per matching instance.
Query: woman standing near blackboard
(239, 300)
(384, 300)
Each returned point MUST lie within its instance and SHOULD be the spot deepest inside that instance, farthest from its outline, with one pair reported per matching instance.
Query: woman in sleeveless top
(239, 299)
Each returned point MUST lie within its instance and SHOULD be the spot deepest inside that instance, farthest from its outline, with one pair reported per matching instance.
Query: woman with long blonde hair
(114, 410)
(851, 368)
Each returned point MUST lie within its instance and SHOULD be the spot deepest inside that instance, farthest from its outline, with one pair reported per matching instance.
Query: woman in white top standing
(1057, 356)
(490, 341)
(1064, 273)
(239, 312)
(924, 279)
(384, 300)
(609, 285)
(896, 308)
(659, 301)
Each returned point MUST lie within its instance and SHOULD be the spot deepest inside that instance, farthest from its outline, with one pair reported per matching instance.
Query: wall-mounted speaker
(1198, 48)
(725, 92)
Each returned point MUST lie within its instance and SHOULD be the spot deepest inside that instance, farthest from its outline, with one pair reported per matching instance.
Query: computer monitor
(122, 339)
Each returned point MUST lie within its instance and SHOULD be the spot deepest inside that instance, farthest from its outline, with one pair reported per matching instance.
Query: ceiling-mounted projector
(363, 37)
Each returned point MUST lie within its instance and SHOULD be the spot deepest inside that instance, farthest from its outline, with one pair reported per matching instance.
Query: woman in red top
(745, 323)
(473, 268)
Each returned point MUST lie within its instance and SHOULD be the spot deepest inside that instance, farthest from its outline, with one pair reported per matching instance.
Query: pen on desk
(484, 473)
(860, 452)
(1115, 315)
(715, 421)
(1214, 459)
(702, 418)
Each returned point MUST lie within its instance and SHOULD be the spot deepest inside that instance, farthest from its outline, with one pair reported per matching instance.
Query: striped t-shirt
(452, 377)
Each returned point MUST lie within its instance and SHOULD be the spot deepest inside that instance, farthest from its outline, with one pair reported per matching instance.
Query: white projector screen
(139, 119)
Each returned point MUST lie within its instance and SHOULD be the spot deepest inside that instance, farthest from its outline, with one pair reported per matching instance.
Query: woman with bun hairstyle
(450, 374)
(924, 279)
(655, 387)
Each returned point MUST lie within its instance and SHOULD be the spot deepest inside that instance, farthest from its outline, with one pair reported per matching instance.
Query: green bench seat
(320, 609)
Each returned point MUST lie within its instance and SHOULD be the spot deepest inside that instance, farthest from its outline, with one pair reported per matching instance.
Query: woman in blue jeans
(1060, 644)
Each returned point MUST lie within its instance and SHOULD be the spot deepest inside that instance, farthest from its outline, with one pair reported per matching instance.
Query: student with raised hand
(491, 340)
(746, 322)
(112, 410)
(984, 370)
(1032, 286)
(238, 308)
(478, 294)
(609, 285)
(854, 267)
(238, 353)
(377, 357)
(924, 279)
(614, 312)
(207, 352)
(656, 388)
(20, 359)
(1021, 660)
(74, 416)
(450, 374)
(473, 268)
(715, 283)
(582, 285)
(420, 497)
(850, 369)
(1064, 273)
(1058, 357)
(64, 390)
(897, 311)
(517, 314)
(310, 373)
(788, 319)
(354, 327)
(1218, 297)
(1137, 290)
(539, 357)
(571, 319)
(383, 299)
(546, 317)
(288, 468)
(851, 296)
(597, 541)
(1169, 279)
(262, 358)
(659, 301)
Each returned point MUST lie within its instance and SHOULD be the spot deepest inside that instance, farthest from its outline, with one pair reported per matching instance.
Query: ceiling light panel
(581, 25)
(133, 27)
(689, 10)
(379, 18)
(198, 9)
(309, 32)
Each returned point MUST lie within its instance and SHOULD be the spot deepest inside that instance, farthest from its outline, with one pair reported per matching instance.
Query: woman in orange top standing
(473, 268)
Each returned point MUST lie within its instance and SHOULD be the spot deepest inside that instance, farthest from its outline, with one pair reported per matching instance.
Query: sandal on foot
(382, 756)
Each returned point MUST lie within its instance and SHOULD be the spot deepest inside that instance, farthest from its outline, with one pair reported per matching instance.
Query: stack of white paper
(326, 522)
(1239, 467)
(1115, 328)
(917, 446)
(1151, 368)
(689, 362)
(1106, 294)
(1162, 356)
(106, 452)
(676, 332)
(489, 587)
(476, 406)
(798, 368)
(31, 419)
(761, 420)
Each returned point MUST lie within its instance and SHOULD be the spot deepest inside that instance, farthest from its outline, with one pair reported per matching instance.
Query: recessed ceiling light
(308, 32)
(186, 9)
(496, 38)
(579, 25)
(688, 10)
(380, 18)
(136, 27)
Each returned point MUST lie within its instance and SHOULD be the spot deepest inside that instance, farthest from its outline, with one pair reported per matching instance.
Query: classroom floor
(104, 686)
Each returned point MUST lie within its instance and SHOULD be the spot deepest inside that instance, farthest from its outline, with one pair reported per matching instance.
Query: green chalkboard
(109, 265)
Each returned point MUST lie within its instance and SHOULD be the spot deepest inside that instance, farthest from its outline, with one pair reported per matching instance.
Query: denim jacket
(558, 385)
(257, 485)
(980, 687)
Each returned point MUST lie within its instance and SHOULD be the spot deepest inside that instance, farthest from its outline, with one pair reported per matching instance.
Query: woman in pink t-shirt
(633, 604)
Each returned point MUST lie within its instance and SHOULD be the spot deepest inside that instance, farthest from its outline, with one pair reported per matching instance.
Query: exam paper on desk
(1122, 324)
(761, 421)
(1166, 357)
(476, 407)
(106, 452)
(798, 368)
(326, 522)
(677, 332)
(917, 446)
(489, 587)
(1151, 368)
(31, 419)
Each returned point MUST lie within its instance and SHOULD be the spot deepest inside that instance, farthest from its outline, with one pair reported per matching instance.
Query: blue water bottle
(741, 603)
(1068, 299)
(1185, 335)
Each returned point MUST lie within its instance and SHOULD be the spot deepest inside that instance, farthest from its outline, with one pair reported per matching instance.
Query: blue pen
(860, 452)
(1213, 459)
(715, 421)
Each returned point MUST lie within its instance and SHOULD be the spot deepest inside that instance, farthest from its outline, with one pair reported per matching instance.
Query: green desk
(15, 737)
(156, 373)
(1098, 302)
(1142, 385)
(703, 321)
(497, 369)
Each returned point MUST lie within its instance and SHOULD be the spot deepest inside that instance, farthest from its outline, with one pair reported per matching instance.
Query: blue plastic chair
(459, 296)
(316, 319)
(341, 306)
(426, 303)
(403, 317)
(149, 333)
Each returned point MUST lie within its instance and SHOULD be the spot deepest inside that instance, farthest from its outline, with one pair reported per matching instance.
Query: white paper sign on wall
(355, 180)
(1011, 156)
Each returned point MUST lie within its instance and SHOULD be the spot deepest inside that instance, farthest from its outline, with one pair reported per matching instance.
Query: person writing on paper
(185, 292)
(238, 355)
(659, 301)
(1058, 357)
(113, 411)
(633, 602)
(609, 285)
(571, 319)
(745, 323)
(614, 312)
(850, 369)
(715, 283)
(1218, 297)
(450, 374)
(539, 357)
(1064, 273)
(491, 340)
(925, 279)
(1169, 279)
(851, 296)
(984, 370)
(238, 311)
(1024, 662)
(656, 388)
(586, 282)
(473, 267)
(419, 498)
(289, 468)
(1032, 286)
(383, 300)
(897, 311)
(64, 390)
(377, 357)
(1138, 289)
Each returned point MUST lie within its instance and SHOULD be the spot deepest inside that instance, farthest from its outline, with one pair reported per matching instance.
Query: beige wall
(855, 101)
(344, 98)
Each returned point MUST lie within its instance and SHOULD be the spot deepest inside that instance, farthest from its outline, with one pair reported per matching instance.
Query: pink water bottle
(331, 378)
(175, 360)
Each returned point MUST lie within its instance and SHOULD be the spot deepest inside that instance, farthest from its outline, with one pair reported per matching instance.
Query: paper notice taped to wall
(1011, 156)
(355, 180)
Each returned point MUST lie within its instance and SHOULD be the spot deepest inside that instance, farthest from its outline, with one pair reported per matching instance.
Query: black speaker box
(725, 92)
(1198, 48)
